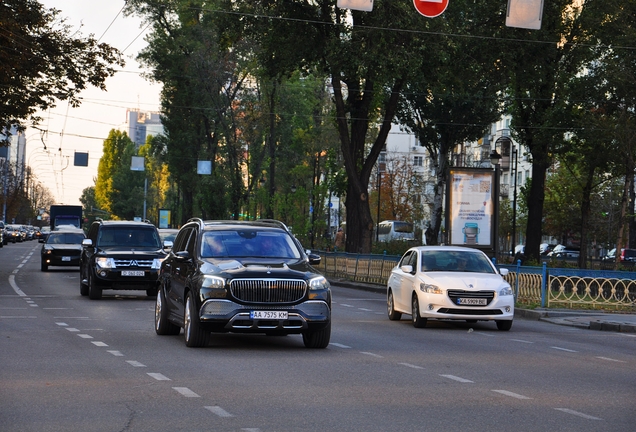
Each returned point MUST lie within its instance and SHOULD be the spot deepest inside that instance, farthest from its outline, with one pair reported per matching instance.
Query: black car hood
(125, 253)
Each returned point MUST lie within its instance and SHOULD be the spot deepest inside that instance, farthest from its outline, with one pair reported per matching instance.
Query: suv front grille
(133, 263)
(268, 290)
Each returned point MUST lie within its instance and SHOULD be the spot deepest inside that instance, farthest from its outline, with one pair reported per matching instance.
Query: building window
(418, 161)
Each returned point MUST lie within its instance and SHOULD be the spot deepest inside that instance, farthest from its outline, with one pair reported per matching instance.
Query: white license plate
(268, 314)
(132, 273)
(66, 258)
(471, 301)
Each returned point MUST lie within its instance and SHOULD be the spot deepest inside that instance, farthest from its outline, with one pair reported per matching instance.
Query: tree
(42, 61)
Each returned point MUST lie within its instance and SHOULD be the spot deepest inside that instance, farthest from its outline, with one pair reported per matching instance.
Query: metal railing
(549, 287)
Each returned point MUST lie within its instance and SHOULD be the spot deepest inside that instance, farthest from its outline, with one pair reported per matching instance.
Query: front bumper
(439, 306)
(114, 279)
(228, 316)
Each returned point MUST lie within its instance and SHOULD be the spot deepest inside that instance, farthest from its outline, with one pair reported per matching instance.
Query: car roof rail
(197, 220)
(275, 222)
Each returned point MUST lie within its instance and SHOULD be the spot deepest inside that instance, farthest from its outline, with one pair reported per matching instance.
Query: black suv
(120, 255)
(241, 277)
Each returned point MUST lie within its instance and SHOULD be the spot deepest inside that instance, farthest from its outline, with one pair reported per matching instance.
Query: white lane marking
(456, 378)
(33, 305)
(411, 365)
(186, 392)
(628, 335)
(371, 354)
(564, 349)
(522, 341)
(366, 310)
(99, 344)
(251, 429)
(611, 359)
(15, 287)
(30, 301)
(72, 329)
(116, 353)
(85, 336)
(576, 413)
(218, 411)
(18, 317)
(159, 377)
(511, 394)
(135, 363)
(346, 305)
(339, 345)
(20, 265)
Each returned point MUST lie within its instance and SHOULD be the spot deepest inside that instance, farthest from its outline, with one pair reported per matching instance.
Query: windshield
(248, 243)
(129, 237)
(456, 261)
(65, 238)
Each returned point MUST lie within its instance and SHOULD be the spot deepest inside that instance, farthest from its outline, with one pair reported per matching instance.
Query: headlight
(212, 282)
(105, 263)
(156, 263)
(318, 283)
(506, 291)
(431, 289)
(48, 251)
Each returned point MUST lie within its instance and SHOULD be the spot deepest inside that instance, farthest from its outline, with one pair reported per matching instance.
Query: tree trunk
(535, 210)
(585, 217)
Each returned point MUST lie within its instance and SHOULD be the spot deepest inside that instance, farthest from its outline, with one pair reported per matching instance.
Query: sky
(83, 129)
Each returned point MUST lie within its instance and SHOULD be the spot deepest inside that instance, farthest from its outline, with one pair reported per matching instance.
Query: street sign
(430, 8)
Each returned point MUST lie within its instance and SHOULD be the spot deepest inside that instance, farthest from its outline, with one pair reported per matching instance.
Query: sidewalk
(585, 319)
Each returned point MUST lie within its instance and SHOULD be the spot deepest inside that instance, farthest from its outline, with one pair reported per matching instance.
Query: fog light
(507, 308)
(431, 307)
(102, 273)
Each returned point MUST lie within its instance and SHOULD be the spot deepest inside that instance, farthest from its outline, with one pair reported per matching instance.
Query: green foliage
(43, 61)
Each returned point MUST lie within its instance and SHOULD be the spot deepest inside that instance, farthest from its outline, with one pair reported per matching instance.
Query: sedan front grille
(133, 263)
(456, 294)
(268, 290)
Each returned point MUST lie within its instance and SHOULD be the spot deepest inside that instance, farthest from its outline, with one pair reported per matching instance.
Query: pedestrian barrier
(549, 287)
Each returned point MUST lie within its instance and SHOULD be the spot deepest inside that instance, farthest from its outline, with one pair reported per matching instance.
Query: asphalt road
(72, 364)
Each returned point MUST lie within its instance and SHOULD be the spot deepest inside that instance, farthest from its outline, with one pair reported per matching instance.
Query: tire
(43, 266)
(390, 306)
(418, 321)
(194, 335)
(94, 292)
(504, 325)
(162, 325)
(317, 339)
(83, 286)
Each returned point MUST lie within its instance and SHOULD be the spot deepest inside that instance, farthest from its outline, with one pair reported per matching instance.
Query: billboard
(471, 195)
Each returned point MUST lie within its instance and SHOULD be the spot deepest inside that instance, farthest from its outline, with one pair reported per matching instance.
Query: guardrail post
(544, 282)
(517, 279)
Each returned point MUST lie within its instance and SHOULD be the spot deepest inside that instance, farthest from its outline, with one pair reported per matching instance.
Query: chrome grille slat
(128, 263)
(268, 290)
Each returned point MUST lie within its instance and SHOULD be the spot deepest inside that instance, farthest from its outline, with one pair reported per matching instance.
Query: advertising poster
(164, 218)
(471, 207)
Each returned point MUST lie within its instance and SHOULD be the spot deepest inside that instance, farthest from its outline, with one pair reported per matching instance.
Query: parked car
(62, 248)
(3, 240)
(449, 283)
(627, 255)
(120, 255)
(561, 251)
(242, 277)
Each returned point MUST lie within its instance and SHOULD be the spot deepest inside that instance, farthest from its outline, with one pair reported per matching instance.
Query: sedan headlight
(430, 289)
(212, 282)
(506, 291)
(105, 263)
(48, 251)
(318, 283)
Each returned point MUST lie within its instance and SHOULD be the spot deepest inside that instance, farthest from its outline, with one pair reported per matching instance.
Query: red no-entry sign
(430, 8)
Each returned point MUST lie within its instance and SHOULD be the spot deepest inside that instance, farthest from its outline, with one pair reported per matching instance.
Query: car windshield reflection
(455, 261)
(245, 243)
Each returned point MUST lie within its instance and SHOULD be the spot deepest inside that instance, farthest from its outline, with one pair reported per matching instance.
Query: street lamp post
(514, 203)
(494, 160)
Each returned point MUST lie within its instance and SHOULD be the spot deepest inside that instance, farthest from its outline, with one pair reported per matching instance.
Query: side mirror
(314, 259)
(168, 244)
(503, 271)
(183, 255)
(87, 243)
(407, 268)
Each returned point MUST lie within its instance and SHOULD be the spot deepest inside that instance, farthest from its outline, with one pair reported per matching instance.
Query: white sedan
(451, 283)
